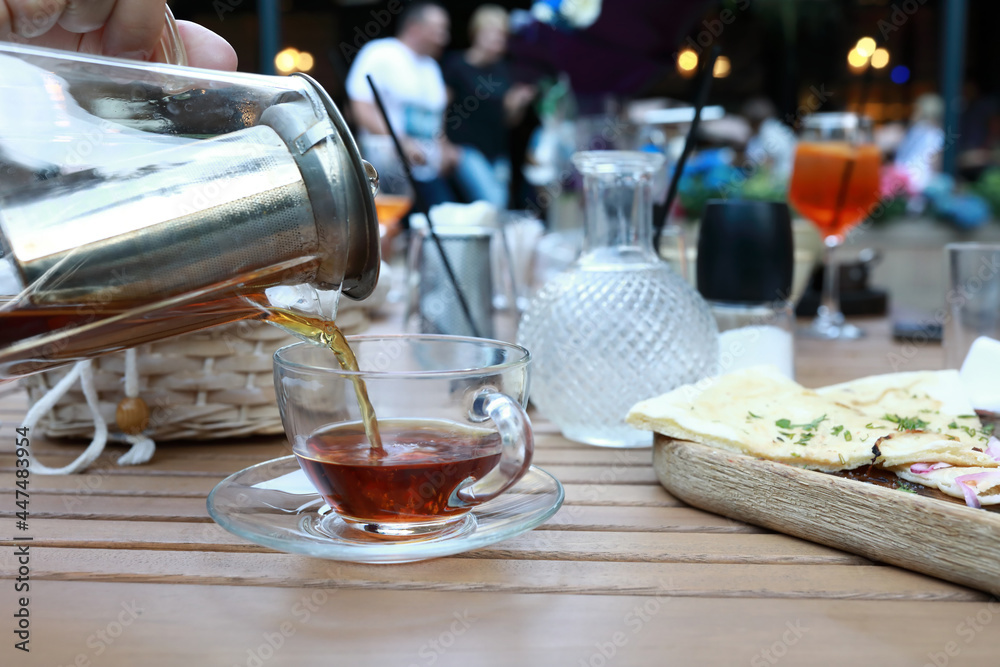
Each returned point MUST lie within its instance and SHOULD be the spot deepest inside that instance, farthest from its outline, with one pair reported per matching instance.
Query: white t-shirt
(413, 92)
(917, 153)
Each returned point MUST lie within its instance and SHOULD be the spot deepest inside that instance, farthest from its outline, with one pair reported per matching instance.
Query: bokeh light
(900, 74)
(880, 58)
(304, 61)
(856, 59)
(865, 47)
(291, 60)
(284, 62)
(687, 61)
(722, 67)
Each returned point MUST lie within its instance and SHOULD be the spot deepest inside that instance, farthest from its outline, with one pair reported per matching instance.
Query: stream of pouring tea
(29, 321)
(326, 333)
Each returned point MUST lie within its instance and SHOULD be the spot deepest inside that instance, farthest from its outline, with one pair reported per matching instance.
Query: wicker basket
(212, 384)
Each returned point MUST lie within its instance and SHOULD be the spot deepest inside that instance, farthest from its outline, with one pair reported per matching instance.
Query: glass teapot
(143, 200)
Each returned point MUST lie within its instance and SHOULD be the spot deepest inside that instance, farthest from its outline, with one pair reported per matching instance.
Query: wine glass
(392, 203)
(835, 183)
(395, 195)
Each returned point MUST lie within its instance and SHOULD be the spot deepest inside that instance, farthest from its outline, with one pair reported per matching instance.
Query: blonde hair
(486, 15)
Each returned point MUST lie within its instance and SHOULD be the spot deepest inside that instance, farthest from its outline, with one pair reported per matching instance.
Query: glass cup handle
(517, 442)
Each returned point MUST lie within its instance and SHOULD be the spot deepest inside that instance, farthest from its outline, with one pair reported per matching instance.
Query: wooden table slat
(484, 574)
(543, 543)
(333, 626)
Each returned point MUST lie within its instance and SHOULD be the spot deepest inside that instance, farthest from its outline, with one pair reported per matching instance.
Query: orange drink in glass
(835, 183)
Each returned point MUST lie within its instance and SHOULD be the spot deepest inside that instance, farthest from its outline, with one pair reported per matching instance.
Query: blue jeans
(479, 179)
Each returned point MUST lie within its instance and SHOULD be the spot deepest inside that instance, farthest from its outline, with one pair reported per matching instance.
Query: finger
(205, 48)
(86, 15)
(5, 25)
(57, 38)
(134, 28)
(31, 18)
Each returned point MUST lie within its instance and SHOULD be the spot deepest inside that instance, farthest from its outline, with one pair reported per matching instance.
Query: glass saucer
(274, 505)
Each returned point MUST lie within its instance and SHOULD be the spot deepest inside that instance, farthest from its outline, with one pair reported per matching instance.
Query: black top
(475, 115)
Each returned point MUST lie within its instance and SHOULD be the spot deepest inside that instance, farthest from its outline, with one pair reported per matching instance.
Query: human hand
(517, 99)
(205, 48)
(414, 154)
(522, 94)
(122, 28)
(450, 155)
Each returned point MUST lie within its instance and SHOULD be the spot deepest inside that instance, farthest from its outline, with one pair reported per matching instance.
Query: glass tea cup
(450, 412)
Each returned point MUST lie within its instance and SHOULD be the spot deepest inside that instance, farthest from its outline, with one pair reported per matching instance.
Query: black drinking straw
(421, 207)
(704, 86)
(866, 87)
(845, 181)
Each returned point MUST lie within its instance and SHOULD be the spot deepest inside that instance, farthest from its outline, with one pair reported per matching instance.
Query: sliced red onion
(993, 447)
(971, 499)
(927, 467)
(981, 477)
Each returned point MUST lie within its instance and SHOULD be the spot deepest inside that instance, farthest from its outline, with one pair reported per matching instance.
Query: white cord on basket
(131, 373)
(81, 371)
(142, 447)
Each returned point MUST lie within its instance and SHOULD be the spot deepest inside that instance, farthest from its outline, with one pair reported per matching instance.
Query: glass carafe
(143, 200)
(619, 325)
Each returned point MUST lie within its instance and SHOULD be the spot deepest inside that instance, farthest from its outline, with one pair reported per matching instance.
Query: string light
(865, 53)
(722, 67)
(292, 60)
(856, 59)
(880, 58)
(865, 47)
(284, 62)
(304, 61)
(687, 61)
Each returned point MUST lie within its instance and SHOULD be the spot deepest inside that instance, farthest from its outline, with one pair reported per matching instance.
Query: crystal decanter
(619, 325)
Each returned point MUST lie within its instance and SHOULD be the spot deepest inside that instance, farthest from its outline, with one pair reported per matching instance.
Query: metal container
(134, 185)
(434, 301)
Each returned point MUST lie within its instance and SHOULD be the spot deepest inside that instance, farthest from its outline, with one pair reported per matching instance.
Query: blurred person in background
(771, 143)
(979, 131)
(408, 77)
(482, 105)
(919, 154)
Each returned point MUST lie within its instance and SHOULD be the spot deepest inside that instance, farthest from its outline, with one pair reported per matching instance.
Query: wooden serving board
(928, 535)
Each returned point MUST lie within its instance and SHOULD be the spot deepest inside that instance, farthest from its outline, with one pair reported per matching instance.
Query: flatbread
(929, 393)
(760, 412)
(986, 484)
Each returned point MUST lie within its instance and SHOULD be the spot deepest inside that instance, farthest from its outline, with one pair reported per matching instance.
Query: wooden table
(128, 569)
